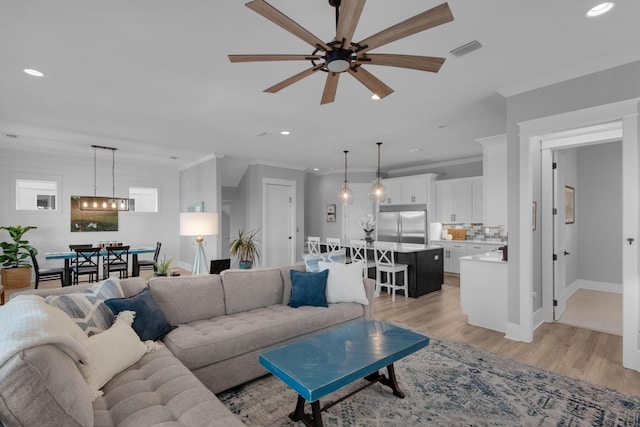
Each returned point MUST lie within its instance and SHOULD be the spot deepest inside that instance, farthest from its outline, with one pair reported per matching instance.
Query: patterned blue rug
(450, 384)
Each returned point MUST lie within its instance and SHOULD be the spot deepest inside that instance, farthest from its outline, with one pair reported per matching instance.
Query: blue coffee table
(319, 365)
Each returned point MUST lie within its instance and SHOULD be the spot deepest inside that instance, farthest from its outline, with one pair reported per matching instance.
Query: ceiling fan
(342, 54)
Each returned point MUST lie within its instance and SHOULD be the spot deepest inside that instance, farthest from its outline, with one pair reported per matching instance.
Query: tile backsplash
(481, 231)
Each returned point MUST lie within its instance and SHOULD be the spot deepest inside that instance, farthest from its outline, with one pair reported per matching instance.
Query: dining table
(67, 256)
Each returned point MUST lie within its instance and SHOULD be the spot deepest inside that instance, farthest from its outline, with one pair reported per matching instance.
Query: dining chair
(44, 274)
(358, 249)
(385, 263)
(86, 263)
(148, 264)
(116, 261)
(333, 244)
(313, 245)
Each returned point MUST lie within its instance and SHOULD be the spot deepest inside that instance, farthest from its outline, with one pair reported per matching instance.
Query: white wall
(200, 183)
(75, 173)
(599, 213)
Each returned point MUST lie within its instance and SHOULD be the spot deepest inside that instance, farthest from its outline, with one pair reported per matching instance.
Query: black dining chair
(86, 263)
(116, 261)
(147, 264)
(44, 274)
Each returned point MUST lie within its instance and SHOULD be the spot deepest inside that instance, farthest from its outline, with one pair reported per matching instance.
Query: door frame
(531, 135)
(292, 213)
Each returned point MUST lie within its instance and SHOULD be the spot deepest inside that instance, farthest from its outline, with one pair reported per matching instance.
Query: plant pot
(17, 277)
(245, 265)
(156, 274)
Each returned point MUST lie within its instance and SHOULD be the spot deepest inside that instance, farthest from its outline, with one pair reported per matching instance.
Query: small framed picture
(331, 217)
(569, 205)
(331, 209)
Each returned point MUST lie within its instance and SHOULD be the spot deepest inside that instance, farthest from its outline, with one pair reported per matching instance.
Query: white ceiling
(151, 77)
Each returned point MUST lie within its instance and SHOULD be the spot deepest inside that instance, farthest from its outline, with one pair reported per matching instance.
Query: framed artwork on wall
(569, 205)
(331, 213)
(91, 220)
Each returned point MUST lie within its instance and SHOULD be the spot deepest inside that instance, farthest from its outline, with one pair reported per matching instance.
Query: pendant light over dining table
(345, 195)
(378, 192)
(101, 203)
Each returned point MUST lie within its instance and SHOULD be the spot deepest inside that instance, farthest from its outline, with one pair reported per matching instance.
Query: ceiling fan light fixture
(338, 60)
(375, 97)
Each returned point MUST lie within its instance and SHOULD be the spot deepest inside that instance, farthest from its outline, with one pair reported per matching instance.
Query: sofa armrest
(369, 286)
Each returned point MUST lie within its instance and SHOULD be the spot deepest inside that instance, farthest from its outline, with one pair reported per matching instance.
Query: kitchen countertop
(485, 242)
(408, 247)
(493, 257)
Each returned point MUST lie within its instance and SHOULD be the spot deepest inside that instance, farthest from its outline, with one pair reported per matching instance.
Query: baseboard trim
(515, 333)
(538, 318)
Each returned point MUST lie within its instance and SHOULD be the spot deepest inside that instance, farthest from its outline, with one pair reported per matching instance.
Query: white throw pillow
(112, 351)
(344, 283)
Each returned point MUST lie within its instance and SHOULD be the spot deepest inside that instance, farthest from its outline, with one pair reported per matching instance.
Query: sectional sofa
(222, 323)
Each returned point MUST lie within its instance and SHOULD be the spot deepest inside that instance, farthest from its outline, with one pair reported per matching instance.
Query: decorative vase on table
(368, 235)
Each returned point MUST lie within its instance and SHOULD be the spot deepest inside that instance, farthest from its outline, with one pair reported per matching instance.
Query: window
(32, 195)
(145, 199)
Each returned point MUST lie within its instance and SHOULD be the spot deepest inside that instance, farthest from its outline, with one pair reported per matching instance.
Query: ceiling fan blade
(291, 80)
(259, 58)
(350, 11)
(431, 18)
(330, 88)
(422, 63)
(278, 18)
(370, 81)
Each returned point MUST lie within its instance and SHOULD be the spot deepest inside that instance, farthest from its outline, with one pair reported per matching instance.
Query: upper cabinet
(457, 200)
(409, 190)
(494, 169)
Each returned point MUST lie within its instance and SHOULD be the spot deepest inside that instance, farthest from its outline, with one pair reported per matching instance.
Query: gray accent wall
(599, 212)
(604, 87)
(200, 183)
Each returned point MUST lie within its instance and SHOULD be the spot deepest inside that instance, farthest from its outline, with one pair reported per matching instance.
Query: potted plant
(162, 267)
(246, 248)
(17, 270)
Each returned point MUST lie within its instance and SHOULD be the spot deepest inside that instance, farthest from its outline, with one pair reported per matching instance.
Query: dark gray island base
(426, 267)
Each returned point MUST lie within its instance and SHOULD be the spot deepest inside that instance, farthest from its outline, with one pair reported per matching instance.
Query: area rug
(450, 384)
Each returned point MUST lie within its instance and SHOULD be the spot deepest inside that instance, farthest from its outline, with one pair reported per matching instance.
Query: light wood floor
(579, 353)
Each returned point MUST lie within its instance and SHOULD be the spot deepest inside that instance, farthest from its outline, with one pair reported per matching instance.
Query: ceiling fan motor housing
(338, 60)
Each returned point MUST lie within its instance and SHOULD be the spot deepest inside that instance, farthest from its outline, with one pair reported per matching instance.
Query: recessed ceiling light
(600, 9)
(375, 97)
(33, 72)
(415, 150)
(316, 169)
(285, 132)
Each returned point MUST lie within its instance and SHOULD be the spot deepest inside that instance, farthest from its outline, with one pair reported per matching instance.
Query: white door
(559, 263)
(279, 222)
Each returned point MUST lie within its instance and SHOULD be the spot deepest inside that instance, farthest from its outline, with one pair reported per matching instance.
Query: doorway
(587, 228)
(278, 230)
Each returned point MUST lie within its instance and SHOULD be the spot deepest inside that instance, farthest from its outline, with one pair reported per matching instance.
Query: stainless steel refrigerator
(402, 224)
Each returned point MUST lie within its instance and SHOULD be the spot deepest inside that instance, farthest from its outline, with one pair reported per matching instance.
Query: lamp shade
(198, 223)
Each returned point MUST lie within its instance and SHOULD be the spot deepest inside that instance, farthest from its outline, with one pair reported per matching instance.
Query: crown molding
(436, 165)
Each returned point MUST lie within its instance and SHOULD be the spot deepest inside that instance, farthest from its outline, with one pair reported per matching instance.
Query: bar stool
(313, 245)
(385, 263)
(359, 253)
(333, 244)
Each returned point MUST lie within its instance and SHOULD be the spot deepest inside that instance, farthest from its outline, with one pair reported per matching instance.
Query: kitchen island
(426, 268)
(483, 290)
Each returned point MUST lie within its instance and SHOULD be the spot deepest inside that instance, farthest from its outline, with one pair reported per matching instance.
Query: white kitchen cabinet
(483, 291)
(494, 169)
(410, 190)
(481, 248)
(452, 252)
(455, 200)
(394, 191)
(478, 202)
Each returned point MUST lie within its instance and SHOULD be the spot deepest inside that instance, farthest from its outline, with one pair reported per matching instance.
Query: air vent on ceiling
(466, 48)
(11, 135)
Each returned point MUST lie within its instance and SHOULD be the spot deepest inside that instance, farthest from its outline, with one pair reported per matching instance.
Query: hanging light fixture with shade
(378, 192)
(98, 203)
(345, 195)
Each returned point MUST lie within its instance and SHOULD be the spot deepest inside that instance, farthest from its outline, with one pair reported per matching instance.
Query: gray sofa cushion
(190, 298)
(159, 390)
(246, 290)
(205, 342)
(42, 386)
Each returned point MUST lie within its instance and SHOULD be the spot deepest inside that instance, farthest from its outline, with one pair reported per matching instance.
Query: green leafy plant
(14, 254)
(245, 246)
(162, 267)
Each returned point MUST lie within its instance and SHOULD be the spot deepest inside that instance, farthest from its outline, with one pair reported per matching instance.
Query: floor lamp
(199, 224)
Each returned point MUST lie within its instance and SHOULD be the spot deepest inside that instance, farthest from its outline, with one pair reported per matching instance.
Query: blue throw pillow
(308, 289)
(150, 323)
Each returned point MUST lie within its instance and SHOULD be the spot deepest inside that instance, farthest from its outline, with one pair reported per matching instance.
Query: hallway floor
(594, 310)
